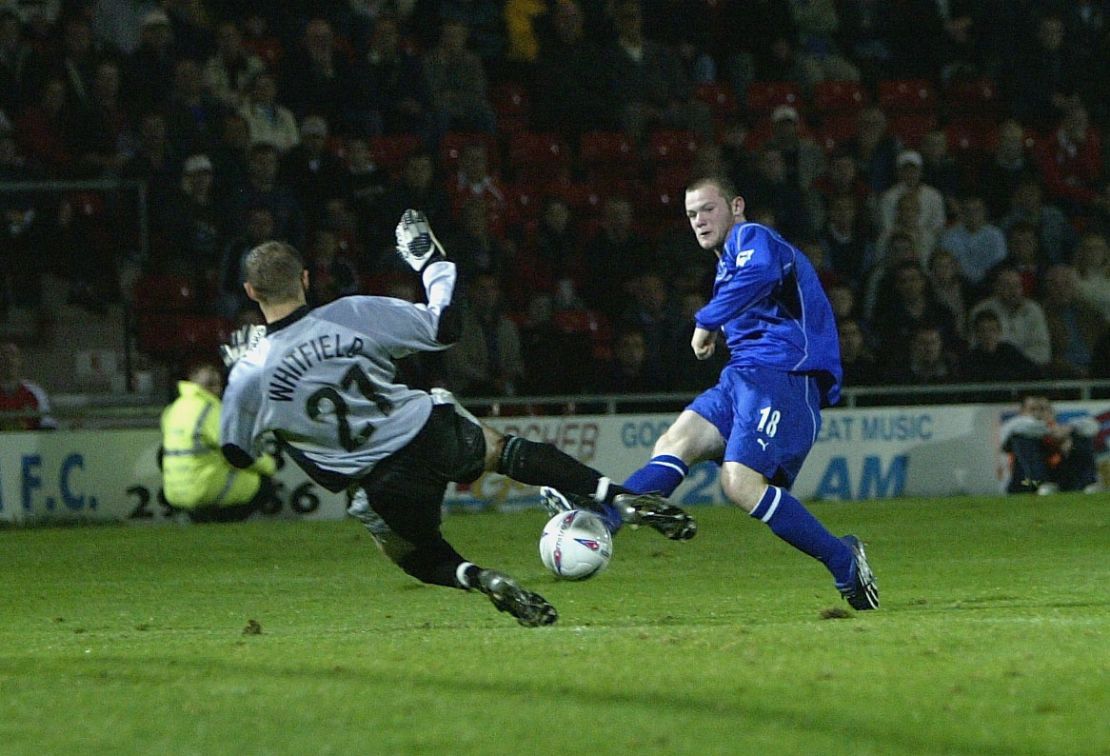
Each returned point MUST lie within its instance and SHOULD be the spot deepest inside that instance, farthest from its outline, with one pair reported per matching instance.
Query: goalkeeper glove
(242, 341)
(416, 244)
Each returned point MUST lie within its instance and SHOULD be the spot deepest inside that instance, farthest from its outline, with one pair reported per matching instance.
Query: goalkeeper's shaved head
(274, 270)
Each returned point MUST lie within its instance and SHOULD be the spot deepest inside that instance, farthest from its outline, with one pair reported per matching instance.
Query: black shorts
(407, 487)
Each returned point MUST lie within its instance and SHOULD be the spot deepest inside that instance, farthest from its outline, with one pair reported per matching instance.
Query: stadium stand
(113, 261)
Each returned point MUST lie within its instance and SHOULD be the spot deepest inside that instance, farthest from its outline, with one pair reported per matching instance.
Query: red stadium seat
(524, 203)
(837, 129)
(973, 98)
(453, 142)
(765, 96)
(719, 98)
(156, 336)
(167, 323)
(583, 198)
(510, 103)
(574, 321)
(837, 97)
(907, 96)
(969, 135)
(671, 179)
(201, 334)
(665, 209)
(609, 154)
(391, 152)
(911, 127)
(164, 293)
(180, 336)
(673, 146)
(538, 157)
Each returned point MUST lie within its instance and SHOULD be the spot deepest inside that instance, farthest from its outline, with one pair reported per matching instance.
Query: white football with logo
(576, 545)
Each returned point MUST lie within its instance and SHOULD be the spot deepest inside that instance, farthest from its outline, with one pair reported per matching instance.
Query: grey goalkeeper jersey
(322, 381)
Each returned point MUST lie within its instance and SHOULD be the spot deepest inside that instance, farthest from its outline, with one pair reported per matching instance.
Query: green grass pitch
(300, 638)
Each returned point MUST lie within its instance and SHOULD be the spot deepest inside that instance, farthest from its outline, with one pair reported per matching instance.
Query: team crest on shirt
(743, 256)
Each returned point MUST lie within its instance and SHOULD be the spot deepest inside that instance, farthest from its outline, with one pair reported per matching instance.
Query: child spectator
(1048, 455)
(18, 394)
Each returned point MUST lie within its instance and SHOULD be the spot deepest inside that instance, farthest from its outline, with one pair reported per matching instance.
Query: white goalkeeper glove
(416, 244)
(242, 341)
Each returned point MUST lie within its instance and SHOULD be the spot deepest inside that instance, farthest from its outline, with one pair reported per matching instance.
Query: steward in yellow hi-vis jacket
(195, 476)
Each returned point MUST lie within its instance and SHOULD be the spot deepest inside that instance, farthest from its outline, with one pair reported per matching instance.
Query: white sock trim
(774, 504)
(602, 491)
(460, 575)
(672, 466)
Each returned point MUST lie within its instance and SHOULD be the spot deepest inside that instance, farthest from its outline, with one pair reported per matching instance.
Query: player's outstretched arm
(418, 246)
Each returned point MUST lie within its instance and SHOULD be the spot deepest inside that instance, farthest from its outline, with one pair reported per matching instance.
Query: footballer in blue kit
(761, 419)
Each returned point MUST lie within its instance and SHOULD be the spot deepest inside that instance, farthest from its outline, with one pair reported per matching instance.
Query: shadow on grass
(885, 735)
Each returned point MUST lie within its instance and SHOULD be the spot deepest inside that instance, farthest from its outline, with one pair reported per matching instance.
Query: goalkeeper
(322, 382)
(195, 476)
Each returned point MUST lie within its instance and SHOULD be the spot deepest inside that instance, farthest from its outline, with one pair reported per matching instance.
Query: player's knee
(691, 439)
(495, 447)
(677, 443)
(743, 489)
(393, 546)
(666, 444)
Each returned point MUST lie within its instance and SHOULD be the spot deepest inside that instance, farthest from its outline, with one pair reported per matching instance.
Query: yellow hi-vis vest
(194, 471)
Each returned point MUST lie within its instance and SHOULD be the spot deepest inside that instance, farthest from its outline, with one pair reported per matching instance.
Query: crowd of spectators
(942, 163)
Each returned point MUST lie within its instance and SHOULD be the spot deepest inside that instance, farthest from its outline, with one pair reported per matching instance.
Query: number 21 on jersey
(355, 378)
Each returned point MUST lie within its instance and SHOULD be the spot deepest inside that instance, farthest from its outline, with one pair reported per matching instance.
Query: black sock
(434, 562)
(540, 464)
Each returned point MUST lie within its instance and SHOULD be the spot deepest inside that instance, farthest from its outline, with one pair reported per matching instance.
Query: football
(576, 545)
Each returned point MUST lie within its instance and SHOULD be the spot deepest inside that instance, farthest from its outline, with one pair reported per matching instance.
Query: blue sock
(603, 504)
(662, 474)
(792, 522)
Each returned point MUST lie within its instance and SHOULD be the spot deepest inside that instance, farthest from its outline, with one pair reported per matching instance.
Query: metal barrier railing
(131, 410)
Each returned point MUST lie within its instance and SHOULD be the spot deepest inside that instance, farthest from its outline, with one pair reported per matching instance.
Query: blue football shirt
(774, 313)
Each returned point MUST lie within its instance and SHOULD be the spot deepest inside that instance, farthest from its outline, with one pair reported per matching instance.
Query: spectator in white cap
(932, 216)
(197, 164)
(314, 173)
(149, 70)
(803, 159)
(119, 22)
(192, 224)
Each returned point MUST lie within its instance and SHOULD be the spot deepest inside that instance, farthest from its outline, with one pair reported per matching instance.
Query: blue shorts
(769, 419)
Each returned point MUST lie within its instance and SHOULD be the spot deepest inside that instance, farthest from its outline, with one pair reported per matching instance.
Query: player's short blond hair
(273, 269)
(723, 184)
